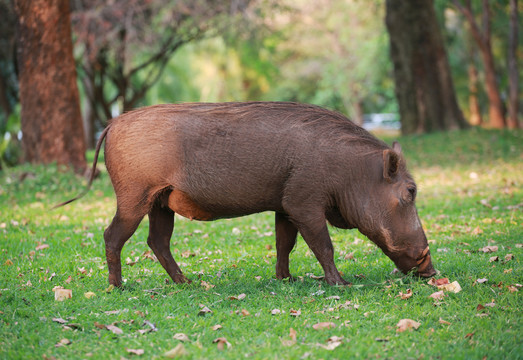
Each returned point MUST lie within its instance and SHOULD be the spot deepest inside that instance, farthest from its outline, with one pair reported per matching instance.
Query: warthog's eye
(412, 192)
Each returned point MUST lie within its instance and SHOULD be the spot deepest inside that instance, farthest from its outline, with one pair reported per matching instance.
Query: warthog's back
(225, 156)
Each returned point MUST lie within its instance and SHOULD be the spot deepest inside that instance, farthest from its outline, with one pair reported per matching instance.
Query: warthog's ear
(396, 147)
(391, 161)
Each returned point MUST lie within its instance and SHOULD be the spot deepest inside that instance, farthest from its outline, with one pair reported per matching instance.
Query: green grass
(470, 196)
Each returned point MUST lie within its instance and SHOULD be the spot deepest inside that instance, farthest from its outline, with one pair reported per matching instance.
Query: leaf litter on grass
(463, 232)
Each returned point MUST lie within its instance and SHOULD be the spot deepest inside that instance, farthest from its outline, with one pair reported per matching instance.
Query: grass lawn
(470, 202)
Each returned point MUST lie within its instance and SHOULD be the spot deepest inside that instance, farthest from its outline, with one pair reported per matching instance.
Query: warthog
(307, 164)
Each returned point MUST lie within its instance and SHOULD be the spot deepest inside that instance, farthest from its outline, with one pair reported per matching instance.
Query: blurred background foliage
(333, 53)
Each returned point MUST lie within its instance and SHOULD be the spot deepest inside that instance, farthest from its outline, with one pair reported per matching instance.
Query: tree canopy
(334, 53)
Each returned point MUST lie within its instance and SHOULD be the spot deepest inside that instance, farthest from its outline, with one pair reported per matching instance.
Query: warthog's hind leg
(121, 229)
(286, 234)
(161, 222)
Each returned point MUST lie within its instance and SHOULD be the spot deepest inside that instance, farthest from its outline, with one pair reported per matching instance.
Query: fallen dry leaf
(181, 336)
(489, 249)
(334, 297)
(60, 320)
(60, 294)
(334, 338)
(512, 288)
(295, 312)
(244, 312)
(323, 325)
(509, 257)
(206, 285)
(318, 293)
(477, 231)
(438, 282)
(405, 296)
(151, 326)
(114, 329)
(221, 343)
(204, 310)
(438, 295)
(452, 287)
(63, 342)
(469, 335)
(406, 324)
(443, 322)
(216, 327)
(177, 351)
(493, 258)
(485, 202)
(89, 294)
(112, 312)
(8, 262)
(130, 262)
(149, 255)
(481, 281)
(98, 325)
(275, 311)
(188, 253)
(316, 277)
(41, 247)
(135, 351)
(332, 343)
(72, 327)
(239, 297)
(480, 307)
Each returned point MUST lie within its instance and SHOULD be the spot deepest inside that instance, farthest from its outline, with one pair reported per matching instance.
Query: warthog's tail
(93, 170)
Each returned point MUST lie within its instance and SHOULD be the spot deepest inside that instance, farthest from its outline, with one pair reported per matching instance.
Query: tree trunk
(513, 101)
(89, 116)
(424, 87)
(496, 117)
(89, 127)
(50, 109)
(358, 112)
(475, 112)
(5, 105)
